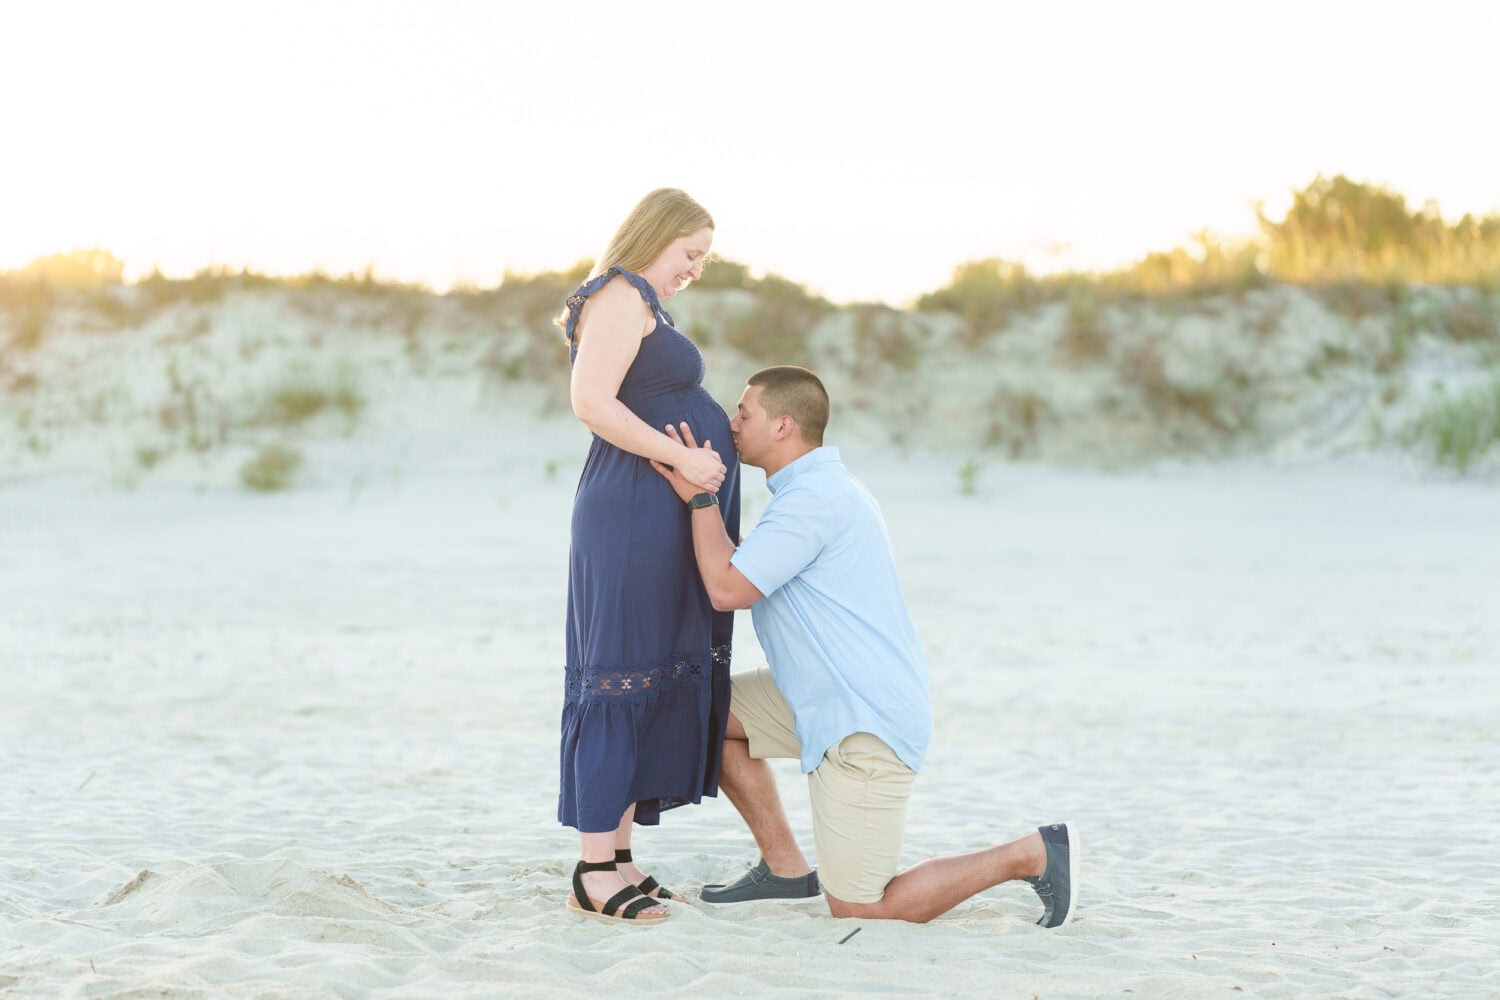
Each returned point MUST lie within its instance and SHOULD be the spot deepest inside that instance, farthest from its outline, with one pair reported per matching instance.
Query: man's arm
(728, 589)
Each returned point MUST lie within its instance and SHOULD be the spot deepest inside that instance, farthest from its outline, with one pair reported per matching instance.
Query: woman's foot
(602, 886)
(630, 873)
(636, 877)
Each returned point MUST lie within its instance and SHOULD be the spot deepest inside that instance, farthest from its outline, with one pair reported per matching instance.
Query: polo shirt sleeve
(786, 539)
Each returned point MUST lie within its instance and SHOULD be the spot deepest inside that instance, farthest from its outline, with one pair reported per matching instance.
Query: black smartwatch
(703, 500)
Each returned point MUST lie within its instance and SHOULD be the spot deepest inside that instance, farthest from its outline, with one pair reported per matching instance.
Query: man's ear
(786, 426)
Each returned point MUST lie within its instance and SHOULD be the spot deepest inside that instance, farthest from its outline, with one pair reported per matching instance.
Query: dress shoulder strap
(582, 293)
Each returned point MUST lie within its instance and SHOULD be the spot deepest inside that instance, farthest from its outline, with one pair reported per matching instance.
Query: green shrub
(79, 269)
(1206, 267)
(775, 328)
(295, 402)
(299, 397)
(148, 456)
(531, 301)
(1463, 428)
(209, 285)
(721, 273)
(1346, 239)
(985, 294)
(968, 478)
(1339, 230)
(272, 469)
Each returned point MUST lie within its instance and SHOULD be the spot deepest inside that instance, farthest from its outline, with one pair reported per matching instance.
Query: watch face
(703, 500)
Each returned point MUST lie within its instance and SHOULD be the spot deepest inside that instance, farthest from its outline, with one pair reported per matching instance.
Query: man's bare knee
(878, 910)
(839, 908)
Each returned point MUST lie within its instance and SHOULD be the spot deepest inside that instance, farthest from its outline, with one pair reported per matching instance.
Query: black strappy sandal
(662, 892)
(633, 900)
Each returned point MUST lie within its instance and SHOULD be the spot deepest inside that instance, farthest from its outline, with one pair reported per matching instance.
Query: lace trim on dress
(632, 685)
(581, 295)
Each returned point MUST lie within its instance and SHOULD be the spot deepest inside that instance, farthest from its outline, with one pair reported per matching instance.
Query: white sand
(304, 745)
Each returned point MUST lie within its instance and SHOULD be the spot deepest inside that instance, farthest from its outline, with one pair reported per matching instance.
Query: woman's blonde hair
(656, 220)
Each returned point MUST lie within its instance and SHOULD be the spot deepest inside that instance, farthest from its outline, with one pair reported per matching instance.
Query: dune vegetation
(1353, 322)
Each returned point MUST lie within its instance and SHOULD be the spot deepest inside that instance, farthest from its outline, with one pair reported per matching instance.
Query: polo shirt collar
(818, 456)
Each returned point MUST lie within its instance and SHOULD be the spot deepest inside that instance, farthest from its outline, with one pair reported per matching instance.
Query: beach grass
(299, 396)
(1185, 352)
(272, 469)
(1463, 428)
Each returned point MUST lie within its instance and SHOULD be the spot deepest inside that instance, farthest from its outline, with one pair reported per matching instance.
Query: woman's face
(680, 263)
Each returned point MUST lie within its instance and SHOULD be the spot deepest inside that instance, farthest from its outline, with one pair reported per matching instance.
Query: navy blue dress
(646, 697)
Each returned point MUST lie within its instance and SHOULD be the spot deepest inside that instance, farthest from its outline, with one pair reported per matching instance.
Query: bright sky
(863, 154)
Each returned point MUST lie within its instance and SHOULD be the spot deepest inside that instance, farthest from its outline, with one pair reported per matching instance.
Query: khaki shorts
(859, 792)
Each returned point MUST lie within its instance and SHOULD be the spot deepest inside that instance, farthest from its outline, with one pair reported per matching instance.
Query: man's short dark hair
(790, 391)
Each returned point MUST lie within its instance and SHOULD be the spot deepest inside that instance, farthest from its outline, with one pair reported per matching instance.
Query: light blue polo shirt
(833, 623)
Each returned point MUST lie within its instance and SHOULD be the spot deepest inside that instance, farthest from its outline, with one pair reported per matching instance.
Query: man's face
(751, 427)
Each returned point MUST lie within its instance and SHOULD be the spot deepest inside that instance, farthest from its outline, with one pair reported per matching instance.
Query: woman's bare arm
(609, 334)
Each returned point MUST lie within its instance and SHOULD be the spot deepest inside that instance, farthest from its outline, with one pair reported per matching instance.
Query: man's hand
(701, 467)
(728, 588)
(684, 489)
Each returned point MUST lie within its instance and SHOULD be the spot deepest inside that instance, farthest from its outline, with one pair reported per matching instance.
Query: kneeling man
(846, 689)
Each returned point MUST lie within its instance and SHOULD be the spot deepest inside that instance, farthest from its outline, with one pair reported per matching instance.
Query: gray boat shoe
(1058, 884)
(759, 883)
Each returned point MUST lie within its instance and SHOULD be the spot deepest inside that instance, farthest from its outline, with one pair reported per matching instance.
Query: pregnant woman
(647, 686)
